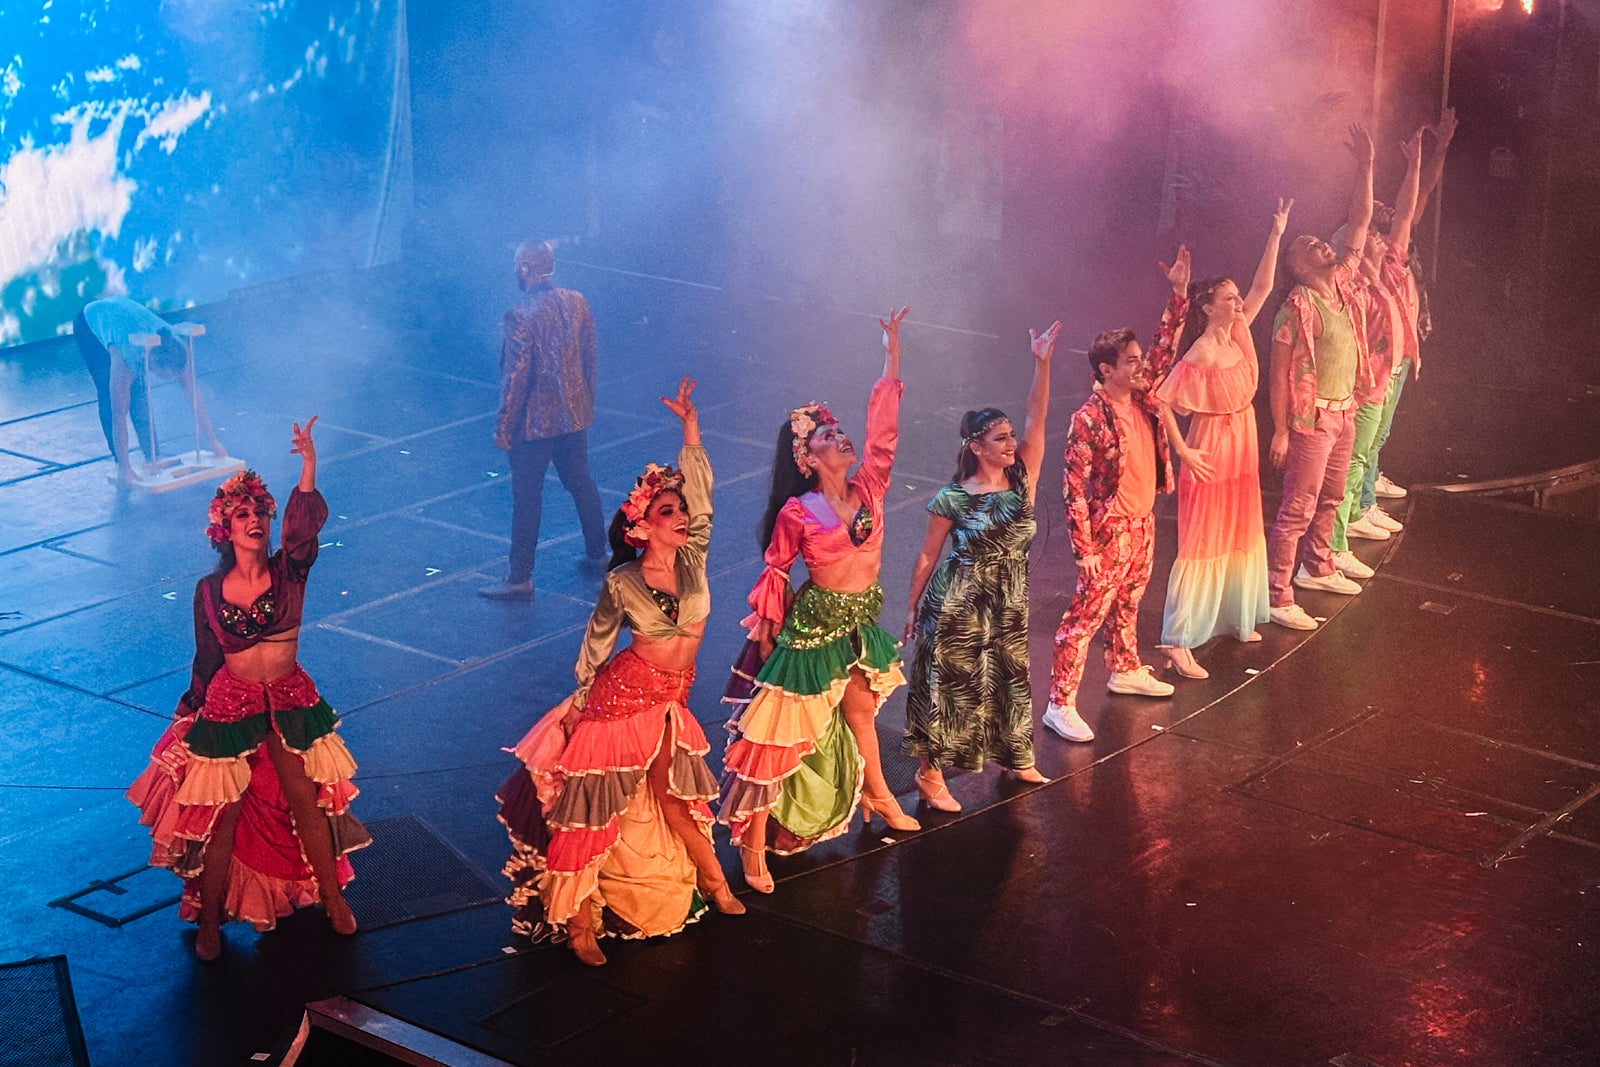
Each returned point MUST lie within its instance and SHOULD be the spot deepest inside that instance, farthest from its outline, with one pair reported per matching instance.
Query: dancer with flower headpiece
(607, 815)
(248, 792)
(817, 667)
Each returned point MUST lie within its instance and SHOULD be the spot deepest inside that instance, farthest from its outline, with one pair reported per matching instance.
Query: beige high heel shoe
(1183, 661)
(889, 808)
(722, 898)
(758, 879)
(935, 793)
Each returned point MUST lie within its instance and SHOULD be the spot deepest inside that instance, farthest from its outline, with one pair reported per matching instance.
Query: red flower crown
(244, 487)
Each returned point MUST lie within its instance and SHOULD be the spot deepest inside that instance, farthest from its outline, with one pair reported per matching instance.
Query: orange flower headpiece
(245, 487)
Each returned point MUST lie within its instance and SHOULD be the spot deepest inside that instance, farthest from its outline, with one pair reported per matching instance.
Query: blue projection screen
(175, 151)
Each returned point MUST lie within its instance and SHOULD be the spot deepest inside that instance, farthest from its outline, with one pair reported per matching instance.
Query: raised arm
(1445, 132)
(694, 465)
(1267, 269)
(306, 511)
(306, 449)
(1360, 146)
(891, 341)
(1405, 201)
(1031, 450)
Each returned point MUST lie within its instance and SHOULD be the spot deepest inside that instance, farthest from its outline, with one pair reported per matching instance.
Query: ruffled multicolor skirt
(585, 827)
(791, 752)
(206, 761)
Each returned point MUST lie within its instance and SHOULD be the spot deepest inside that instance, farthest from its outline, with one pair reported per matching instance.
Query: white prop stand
(185, 468)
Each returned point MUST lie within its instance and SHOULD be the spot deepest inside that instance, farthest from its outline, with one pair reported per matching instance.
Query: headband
(803, 422)
(244, 487)
(655, 480)
(985, 426)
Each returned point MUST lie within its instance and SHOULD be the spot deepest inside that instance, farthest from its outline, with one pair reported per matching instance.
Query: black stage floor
(1375, 844)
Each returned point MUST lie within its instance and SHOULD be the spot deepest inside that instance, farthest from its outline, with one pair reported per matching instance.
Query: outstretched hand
(1280, 217)
(682, 406)
(1360, 143)
(1411, 147)
(304, 447)
(1178, 273)
(1044, 344)
(891, 330)
(1445, 128)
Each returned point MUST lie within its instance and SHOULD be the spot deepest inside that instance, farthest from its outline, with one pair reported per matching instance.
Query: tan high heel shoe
(755, 874)
(722, 898)
(1183, 661)
(889, 808)
(935, 793)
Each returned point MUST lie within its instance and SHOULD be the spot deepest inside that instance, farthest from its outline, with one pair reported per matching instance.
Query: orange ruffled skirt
(584, 825)
(207, 761)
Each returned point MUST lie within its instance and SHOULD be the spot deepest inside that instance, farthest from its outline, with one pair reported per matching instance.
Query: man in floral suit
(1117, 459)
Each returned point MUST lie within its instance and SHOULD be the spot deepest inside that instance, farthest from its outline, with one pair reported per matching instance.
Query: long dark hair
(787, 481)
(974, 424)
(1194, 323)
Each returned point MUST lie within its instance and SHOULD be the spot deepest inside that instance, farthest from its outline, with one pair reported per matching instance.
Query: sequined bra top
(248, 622)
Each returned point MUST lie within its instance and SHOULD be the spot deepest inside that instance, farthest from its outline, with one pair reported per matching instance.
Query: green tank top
(1336, 351)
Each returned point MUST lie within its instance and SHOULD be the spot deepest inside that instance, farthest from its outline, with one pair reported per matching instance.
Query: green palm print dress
(969, 700)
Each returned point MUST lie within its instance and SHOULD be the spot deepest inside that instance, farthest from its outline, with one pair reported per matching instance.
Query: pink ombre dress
(1218, 583)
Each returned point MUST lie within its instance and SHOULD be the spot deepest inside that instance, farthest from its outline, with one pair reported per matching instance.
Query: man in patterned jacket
(1117, 459)
(547, 378)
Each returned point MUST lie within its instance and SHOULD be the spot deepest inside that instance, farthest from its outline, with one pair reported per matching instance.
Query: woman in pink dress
(1218, 583)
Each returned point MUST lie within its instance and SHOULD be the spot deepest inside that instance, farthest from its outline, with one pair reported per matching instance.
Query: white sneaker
(1366, 529)
(1378, 517)
(1387, 489)
(1348, 565)
(1326, 583)
(1140, 683)
(1065, 722)
(1292, 616)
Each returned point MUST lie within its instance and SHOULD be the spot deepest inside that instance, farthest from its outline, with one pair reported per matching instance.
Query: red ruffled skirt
(585, 827)
(207, 761)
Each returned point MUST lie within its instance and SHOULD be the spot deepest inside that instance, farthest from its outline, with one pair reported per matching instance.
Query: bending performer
(248, 792)
(610, 832)
(970, 699)
(804, 745)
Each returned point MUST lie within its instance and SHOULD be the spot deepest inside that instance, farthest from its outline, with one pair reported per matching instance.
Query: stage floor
(1378, 841)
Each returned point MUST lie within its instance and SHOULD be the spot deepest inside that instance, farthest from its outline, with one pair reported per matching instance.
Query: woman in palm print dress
(969, 700)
